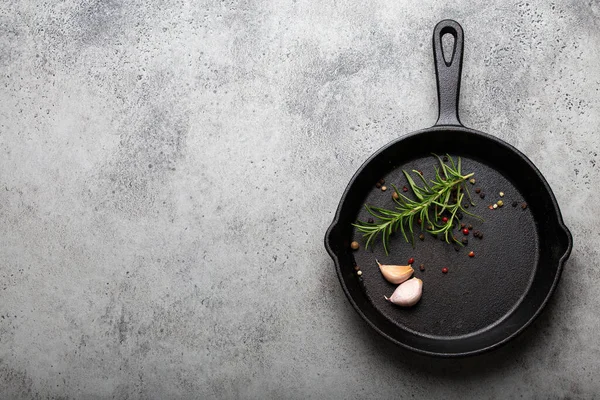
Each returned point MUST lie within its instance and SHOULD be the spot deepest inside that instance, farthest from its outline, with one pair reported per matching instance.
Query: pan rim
(533, 168)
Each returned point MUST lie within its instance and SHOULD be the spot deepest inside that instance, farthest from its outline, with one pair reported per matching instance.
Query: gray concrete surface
(168, 171)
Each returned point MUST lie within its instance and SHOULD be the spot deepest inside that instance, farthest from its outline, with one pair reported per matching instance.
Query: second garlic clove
(408, 293)
(395, 273)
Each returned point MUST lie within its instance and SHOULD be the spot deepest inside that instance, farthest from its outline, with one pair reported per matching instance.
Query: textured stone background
(168, 171)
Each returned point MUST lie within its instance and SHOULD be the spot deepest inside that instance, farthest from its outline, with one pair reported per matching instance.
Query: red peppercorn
(472, 254)
(465, 231)
(411, 260)
(405, 189)
(445, 270)
(444, 219)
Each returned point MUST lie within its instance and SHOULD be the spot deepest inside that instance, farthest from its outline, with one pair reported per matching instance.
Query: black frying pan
(484, 301)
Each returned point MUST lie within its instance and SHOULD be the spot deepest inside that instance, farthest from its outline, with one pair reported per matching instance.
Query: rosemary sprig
(433, 199)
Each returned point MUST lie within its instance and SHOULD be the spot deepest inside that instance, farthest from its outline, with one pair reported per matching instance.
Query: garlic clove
(395, 273)
(408, 293)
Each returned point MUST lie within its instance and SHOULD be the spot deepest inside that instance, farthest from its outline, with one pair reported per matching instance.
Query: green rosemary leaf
(416, 190)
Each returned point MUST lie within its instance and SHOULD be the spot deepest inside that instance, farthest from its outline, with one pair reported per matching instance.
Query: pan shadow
(514, 352)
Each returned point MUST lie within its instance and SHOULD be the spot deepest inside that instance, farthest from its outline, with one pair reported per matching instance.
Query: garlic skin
(408, 293)
(395, 273)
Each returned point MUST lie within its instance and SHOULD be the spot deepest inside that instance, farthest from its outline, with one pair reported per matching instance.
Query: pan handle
(448, 73)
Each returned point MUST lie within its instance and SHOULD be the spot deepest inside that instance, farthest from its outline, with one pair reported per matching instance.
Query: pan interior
(478, 292)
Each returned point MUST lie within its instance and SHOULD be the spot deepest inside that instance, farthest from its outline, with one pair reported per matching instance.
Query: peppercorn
(445, 270)
(422, 237)
(465, 241)
(445, 158)
(404, 189)
(482, 195)
(444, 219)
(356, 267)
(466, 205)
(472, 181)
(382, 181)
(354, 245)
(422, 267)
(370, 220)
(419, 221)
(378, 185)
(478, 190)
(491, 207)
(500, 203)
(495, 205)
(501, 194)
(470, 227)
(471, 254)
(462, 226)
(515, 203)
(456, 247)
(524, 206)
(420, 172)
(411, 260)
(383, 188)
(465, 231)
(359, 273)
(395, 196)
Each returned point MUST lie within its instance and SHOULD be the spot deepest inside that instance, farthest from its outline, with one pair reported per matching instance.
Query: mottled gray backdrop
(168, 171)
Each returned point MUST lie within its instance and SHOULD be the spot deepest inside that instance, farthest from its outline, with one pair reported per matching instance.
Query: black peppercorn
(478, 190)
(515, 203)
(482, 195)
(370, 220)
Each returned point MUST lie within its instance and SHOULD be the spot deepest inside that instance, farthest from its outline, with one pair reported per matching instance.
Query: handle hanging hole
(448, 47)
